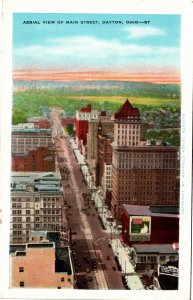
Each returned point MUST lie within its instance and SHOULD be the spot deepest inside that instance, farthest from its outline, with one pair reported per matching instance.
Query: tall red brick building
(142, 173)
(83, 117)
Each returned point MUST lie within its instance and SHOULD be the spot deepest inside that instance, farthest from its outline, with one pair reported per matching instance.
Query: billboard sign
(140, 228)
(168, 270)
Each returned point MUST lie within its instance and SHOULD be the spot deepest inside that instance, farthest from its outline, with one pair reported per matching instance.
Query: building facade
(103, 126)
(41, 159)
(83, 116)
(24, 140)
(147, 258)
(142, 173)
(36, 267)
(36, 204)
(150, 224)
(105, 162)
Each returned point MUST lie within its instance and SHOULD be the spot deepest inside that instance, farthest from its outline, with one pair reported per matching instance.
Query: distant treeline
(33, 101)
(103, 88)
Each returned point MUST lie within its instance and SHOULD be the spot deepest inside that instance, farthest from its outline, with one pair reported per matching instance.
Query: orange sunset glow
(53, 75)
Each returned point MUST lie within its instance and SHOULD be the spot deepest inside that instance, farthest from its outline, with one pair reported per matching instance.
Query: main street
(95, 266)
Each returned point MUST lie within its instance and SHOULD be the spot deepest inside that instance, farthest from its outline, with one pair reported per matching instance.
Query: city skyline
(109, 47)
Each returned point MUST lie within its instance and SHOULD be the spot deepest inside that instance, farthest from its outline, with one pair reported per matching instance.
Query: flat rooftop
(31, 130)
(36, 182)
(154, 249)
(152, 211)
(62, 261)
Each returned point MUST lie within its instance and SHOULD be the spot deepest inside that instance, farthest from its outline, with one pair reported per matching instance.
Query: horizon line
(60, 76)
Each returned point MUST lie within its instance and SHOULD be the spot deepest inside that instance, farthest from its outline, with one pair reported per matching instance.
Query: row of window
(140, 165)
(22, 283)
(148, 155)
(160, 258)
(27, 199)
(124, 143)
(128, 125)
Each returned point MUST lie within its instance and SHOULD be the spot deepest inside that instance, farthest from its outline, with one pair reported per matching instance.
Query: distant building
(105, 162)
(142, 173)
(21, 126)
(83, 115)
(32, 149)
(102, 126)
(41, 159)
(24, 140)
(36, 204)
(35, 122)
(41, 264)
(42, 124)
(67, 121)
(150, 224)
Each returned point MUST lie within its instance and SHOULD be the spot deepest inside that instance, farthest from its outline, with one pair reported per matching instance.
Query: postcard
(96, 150)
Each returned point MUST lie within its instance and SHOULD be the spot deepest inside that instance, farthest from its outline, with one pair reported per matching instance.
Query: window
(21, 284)
(62, 279)
(21, 269)
(172, 257)
(162, 258)
(27, 212)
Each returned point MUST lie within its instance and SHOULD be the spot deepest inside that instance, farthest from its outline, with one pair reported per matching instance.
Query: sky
(96, 47)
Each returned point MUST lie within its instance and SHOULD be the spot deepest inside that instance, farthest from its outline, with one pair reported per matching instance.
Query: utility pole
(111, 231)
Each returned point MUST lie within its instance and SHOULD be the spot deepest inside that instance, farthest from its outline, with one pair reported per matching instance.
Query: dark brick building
(41, 159)
(150, 224)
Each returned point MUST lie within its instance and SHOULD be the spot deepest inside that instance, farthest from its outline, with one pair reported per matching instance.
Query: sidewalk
(133, 281)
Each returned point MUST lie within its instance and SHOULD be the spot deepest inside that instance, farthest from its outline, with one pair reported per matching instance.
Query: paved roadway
(93, 259)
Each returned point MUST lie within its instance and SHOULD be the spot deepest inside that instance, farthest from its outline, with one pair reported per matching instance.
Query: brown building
(142, 173)
(42, 123)
(83, 116)
(41, 159)
(103, 126)
(104, 162)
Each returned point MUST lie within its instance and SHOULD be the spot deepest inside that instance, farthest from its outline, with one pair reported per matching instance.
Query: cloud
(84, 46)
(136, 32)
(90, 51)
